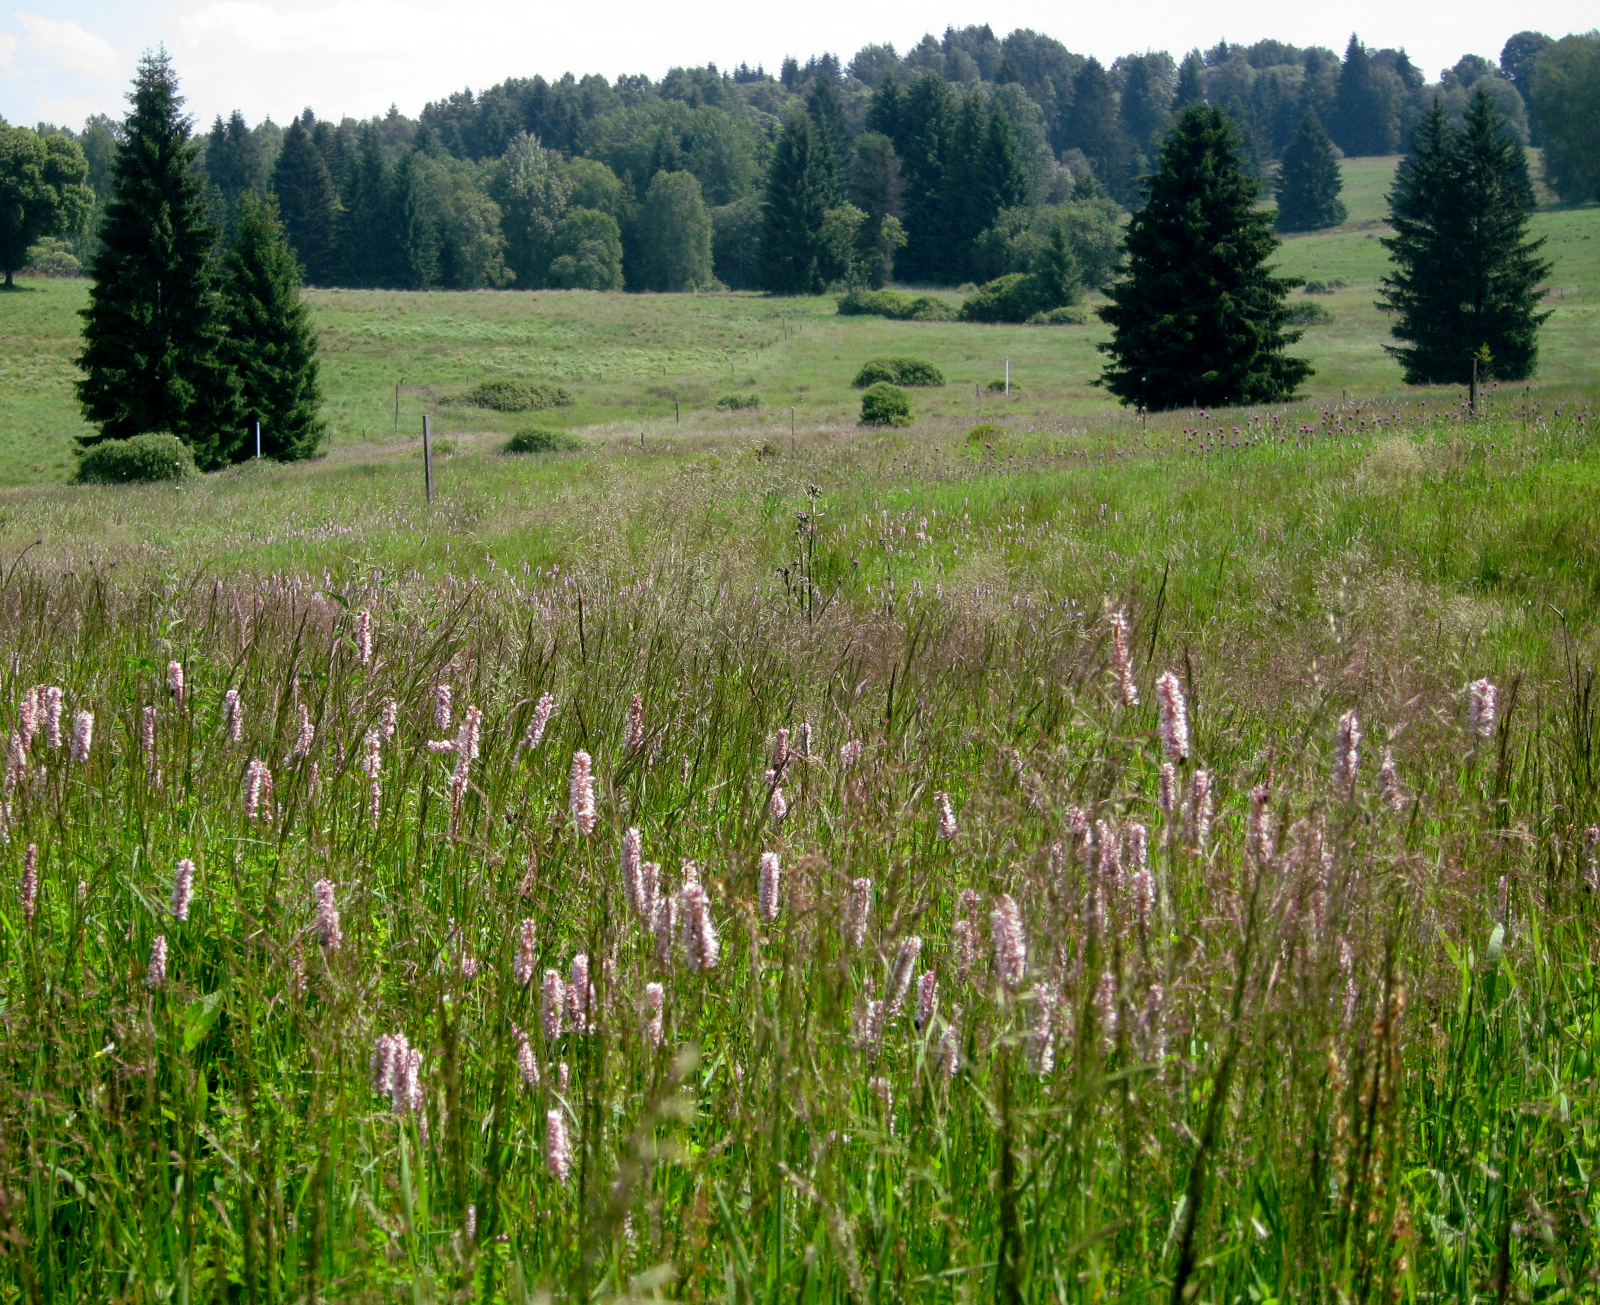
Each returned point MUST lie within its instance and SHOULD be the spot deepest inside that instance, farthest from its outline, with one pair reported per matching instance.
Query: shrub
(885, 405)
(1308, 314)
(53, 257)
(536, 439)
(896, 305)
(998, 386)
(1013, 298)
(1071, 315)
(142, 459)
(734, 402)
(518, 396)
(898, 371)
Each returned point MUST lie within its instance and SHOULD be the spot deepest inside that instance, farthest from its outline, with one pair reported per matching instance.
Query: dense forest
(950, 163)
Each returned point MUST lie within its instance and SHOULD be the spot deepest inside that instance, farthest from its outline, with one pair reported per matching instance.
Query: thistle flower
(232, 716)
(700, 944)
(1174, 713)
(927, 998)
(849, 754)
(767, 898)
(147, 736)
(156, 972)
(541, 718)
(579, 992)
(364, 637)
(1482, 705)
(1010, 945)
(632, 870)
(555, 1004)
(663, 924)
(905, 964)
(947, 816)
(52, 716)
(1347, 750)
(441, 707)
(858, 911)
(633, 730)
(182, 889)
(526, 938)
(1123, 658)
(557, 1149)
(1200, 809)
(780, 751)
(307, 735)
(175, 684)
(655, 997)
(580, 793)
(30, 882)
(1389, 783)
(391, 719)
(1042, 1036)
(327, 916)
(1167, 794)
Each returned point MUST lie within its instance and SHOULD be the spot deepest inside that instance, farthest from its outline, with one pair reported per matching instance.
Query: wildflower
(805, 739)
(777, 804)
(1347, 750)
(1106, 1004)
(1042, 1037)
(147, 736)
(1200, 809)
(1167, 795)
(580, 792)
(364, 637)
(175, 683)
(700, 944)
(964, 937)
(780, 751)
(469, 1225)
(257, 788)
(1174, 712)
(182, 889)
(579, 992)
(30, 882)
(1389, 783)
(441, 707)
(1260, 831)
(1123, 658)
(849, 754)
(927, 998)
(633, 730)
(327, 916)
(28, 718)
(557, 1149)
(950, 1050)
(1144, 897)
(1591, 858)
(767, 898)
(526, 937)
(1010, 946)
(663, 924)
(555, 1004)
(232, 716)
(541, 718)
(884, 1091)
(372, 758)
(374, 803)
(649, 892)
(307, 736)
(156, 973)
(655, 997)
(867, 1019)
(1482, 704)
(632, 863)
(52, 716)
(467, 735)
(527, 1064)
(391, 718)
(947, 816)
(563, 1078)
(858, 911)
(905, 964)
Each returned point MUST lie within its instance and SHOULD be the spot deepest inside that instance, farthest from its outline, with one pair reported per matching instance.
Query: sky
(63, 60)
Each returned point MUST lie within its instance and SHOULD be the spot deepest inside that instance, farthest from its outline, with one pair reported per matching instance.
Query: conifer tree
(802, 187)
(927, 129)
(1191, 82)
(886, 108)
(233, 167)
(153, 356)
(367, 253)
(1364, 121)
(1199, 318)
(308, 203)
(1465, 278)
(1309, 181)
(1093, 124)
(271, 343)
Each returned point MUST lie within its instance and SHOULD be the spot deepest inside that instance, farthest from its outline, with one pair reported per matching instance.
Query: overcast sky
(65, 59)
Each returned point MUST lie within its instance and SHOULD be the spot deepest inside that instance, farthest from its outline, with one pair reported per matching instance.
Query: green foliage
(533, 192)
(1199, 319)
(140, 460)
(1366, 115)
(1309, 182)
(42, 191)
(1071, 315)
(154, 355)
(898, 371)
(738, 402)
(884, 404)
(587, 252)
(1021, 297)
(897, 305)
(802, 188)
(677, 234)
(1465, 276)
(1092, 123)
(308, 203)
(539, 439)
(736, 244)
(52, 256)
(271, 344)
(1566, 103)
(518, 396)
(1308, 313)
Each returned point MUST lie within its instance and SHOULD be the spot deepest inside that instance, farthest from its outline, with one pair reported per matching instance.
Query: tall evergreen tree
(985, 176)
(927, 130)
(1191, 82)
(885, 109)
(234, 168)
(153, 332)
(414, 213)
(802, 187)
(1093, 124)
(271, 343)
(1309, 181)
(826, 108)
(1465, 279)
(1199, 318)
(308, 203)
(1364, 121)
(366, 234)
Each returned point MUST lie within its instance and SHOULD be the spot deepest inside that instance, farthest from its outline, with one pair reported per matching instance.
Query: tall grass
(1336, 1042)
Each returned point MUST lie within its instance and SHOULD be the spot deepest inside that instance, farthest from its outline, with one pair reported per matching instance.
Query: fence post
(258, 439)
(427, 453)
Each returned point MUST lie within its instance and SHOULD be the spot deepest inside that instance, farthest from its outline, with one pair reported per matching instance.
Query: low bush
(1325, 287)
(885, 405)
(1071, 315)
(734, 402)
(999, 386)
(1014, 298)
(898, 371)
(536, 439)
(1308, 314)
(897, 305)
(143, 459)
(518, 396)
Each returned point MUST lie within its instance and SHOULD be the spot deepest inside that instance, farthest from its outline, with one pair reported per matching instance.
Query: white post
(258, 439)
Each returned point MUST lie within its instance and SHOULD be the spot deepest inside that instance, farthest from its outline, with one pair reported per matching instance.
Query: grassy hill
(627, 357)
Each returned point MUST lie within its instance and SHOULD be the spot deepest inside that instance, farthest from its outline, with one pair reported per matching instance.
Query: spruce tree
(1363, 117)
(368, 256)
(802, 186)
(927, 129)
(271, 343)
(1309, 181)
(1199, 318)
(153, 335)
(1465, 279)
(1093, 124)
(308, 203)
(1191, 82)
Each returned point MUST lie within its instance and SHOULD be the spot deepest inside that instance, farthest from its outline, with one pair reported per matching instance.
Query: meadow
(1070, 858)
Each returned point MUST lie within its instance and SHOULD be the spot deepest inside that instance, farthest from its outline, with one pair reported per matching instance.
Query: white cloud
(56, 46)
